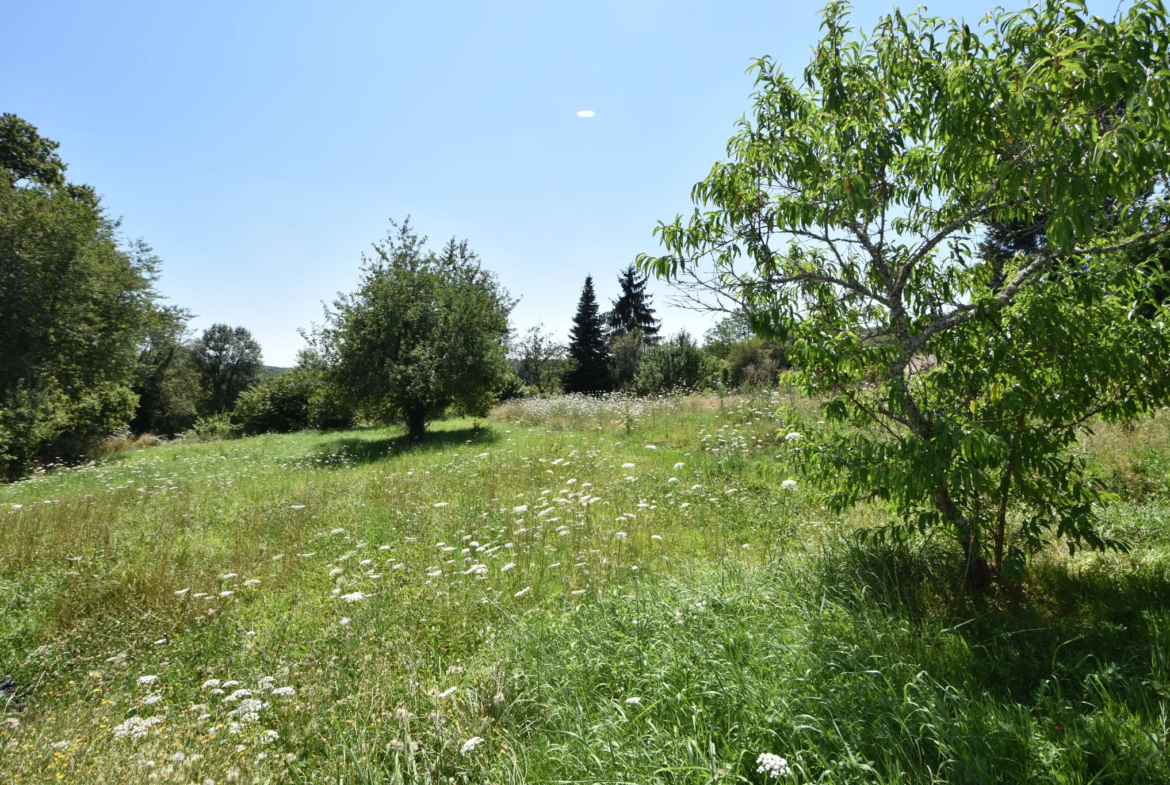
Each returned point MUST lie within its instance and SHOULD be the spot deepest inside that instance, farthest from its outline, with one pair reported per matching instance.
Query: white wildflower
(145, 680)
(627, 466)
(337, 531)
(788, 485)
(284, 692)
(355, 596)
(634, 701)
(523, 591)
(439, 504)
(794, 437)
(471, 744)
(136, 727)
(772, 766)
(266, 683)
(182, 592)
(621, 535)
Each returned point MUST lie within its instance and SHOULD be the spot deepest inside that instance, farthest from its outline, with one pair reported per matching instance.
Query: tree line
(89, 349)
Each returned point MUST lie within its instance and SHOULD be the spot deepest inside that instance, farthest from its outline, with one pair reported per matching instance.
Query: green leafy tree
(26, 155)
(302, 397)
(626, 353)
(855, 198)
(166, 380)
(678, 365)
(728, 331)
(588, 349)
(229, 361)
(755, 362)
(424, 332)
(541, 359)
(631, 310)
(73, 302)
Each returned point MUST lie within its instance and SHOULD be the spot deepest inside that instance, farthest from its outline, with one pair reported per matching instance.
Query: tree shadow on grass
(362, 451)
(1093, 631)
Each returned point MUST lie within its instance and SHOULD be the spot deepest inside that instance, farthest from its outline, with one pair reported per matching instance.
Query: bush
(677, 365)
(213, 428)
(755, 362)
(296, 400)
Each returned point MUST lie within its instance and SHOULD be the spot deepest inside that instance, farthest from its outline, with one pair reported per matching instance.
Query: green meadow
(571, 590)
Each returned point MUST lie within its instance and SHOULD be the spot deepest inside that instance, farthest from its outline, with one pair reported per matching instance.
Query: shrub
(296, 400)
(675, 366)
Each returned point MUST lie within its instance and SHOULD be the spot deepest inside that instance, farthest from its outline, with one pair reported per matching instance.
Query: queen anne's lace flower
(772, 766)
(136, 727)
(471, 744)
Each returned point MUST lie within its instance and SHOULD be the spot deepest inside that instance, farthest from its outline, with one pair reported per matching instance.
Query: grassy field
(569, 591)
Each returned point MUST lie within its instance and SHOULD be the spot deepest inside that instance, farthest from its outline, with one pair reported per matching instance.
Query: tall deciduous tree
(424, 332)
(631, 310)
(855, 198)
(166, 379)
(542, 359)
(588, 349)
(73, 303)
(229, 360)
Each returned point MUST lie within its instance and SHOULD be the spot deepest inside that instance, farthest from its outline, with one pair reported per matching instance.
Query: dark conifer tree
(632, 311)
(588, 350)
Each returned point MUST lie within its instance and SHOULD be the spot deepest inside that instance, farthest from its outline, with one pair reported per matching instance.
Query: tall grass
(602, 591)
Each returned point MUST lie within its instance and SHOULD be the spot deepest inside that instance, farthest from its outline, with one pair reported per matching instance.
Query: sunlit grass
(519, 581)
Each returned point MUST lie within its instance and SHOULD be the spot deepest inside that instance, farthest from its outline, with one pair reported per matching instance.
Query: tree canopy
(73, 304)
(847, 218)
(424, 331)
(229, 360)
(631, 310)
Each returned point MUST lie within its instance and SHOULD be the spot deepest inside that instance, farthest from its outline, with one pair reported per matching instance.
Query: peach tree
(960, 232)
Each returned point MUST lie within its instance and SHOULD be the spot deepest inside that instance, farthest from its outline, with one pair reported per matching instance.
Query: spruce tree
(632, 311)
(588, 349)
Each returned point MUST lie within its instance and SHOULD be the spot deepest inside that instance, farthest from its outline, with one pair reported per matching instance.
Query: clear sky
(260, 147)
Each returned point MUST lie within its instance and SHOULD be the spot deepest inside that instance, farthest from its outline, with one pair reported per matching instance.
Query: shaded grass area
(851, 675)
(597, 591)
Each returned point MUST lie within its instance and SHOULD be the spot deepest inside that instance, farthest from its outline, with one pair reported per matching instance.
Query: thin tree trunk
(978, 570)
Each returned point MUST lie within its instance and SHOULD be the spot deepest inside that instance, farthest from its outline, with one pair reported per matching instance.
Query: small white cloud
(585, 113)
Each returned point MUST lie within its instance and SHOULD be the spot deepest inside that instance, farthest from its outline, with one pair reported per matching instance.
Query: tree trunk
(416, 425)
(978, 571)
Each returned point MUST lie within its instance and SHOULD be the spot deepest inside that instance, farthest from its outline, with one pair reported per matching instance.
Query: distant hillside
(273, 370)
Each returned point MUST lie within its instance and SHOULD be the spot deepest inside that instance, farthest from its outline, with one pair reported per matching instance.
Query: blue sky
(260, 147)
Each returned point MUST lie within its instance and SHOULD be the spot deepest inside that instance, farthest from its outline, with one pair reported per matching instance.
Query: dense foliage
(229, 360)
(424, 332)
(854, 197)
(588, 349)
(300, 398)
(73, 304)
(166, 379)
(631, 310)
(677, 365)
